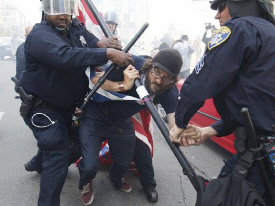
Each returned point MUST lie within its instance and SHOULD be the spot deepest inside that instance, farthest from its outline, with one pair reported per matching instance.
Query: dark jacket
(55, 65)
(238, 71)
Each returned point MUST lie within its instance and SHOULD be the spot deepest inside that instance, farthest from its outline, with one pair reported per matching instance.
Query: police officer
(20, 56)
(112, 21)
(57, 55)
(237, 70)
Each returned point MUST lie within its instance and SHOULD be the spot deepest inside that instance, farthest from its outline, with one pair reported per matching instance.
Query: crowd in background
(197, 44)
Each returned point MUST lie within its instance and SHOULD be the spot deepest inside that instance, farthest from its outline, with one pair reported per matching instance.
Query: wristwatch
(121, 87)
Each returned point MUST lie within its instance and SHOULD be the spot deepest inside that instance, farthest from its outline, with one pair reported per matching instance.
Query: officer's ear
(43, 15)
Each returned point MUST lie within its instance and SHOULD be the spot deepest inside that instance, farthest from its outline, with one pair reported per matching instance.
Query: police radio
(258, 153)
(269, 146)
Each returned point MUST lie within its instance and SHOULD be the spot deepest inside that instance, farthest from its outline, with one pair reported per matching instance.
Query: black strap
(243, 165)
(44, 105)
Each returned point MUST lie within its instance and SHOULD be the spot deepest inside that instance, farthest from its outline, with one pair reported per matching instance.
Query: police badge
(221, 36)
(83, 41)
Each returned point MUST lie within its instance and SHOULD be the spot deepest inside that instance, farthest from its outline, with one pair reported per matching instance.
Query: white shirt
(185, 49)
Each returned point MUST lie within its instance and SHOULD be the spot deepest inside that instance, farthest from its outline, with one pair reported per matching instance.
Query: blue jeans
(121, 139)
(53, 142)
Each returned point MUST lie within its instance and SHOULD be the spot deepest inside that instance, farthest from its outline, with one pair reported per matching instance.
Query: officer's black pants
(50, 128)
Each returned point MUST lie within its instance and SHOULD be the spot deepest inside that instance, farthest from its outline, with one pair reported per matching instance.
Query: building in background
(12, 21)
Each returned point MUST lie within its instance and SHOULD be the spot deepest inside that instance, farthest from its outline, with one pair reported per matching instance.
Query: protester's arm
(174, 131)
(171, 119)
(130, 74)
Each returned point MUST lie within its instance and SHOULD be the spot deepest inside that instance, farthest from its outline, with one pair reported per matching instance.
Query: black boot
(30, 167)
(151, 194)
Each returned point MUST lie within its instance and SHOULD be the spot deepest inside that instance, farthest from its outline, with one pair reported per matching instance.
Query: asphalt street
(21, 188)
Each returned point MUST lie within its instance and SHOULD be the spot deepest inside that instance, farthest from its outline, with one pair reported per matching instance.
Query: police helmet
(111, 17)
(214, 4)
(240, 8)
(56, 7)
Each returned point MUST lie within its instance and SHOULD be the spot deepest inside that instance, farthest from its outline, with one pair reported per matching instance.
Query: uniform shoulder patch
(221, 36)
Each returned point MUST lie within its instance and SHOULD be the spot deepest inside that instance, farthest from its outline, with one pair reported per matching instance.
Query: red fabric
(88, 11)
(144, 127)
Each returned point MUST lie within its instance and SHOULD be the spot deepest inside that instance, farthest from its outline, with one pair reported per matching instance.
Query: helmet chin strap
(61, 31)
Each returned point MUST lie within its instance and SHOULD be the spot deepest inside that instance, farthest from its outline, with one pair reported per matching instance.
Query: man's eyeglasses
(221, 7)
(156, 73)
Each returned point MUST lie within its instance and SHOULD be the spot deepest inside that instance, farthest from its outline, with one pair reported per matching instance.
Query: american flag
(86, 17)
(142, 120)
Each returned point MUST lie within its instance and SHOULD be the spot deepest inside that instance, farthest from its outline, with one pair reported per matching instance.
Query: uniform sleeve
(216, 70)
(221, 128)
(52, 50)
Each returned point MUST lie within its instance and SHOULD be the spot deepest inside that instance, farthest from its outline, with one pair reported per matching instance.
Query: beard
(153, 88)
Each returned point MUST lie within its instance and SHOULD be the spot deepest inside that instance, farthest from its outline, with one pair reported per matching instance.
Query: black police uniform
(20, 60)
(237, 70)
(55, 73)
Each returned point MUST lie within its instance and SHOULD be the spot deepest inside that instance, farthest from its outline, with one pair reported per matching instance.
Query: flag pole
(108, 33)
(143, 94)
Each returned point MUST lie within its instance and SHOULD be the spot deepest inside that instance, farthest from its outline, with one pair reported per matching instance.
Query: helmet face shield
(268, 5)
(56, 7)
(268, 10)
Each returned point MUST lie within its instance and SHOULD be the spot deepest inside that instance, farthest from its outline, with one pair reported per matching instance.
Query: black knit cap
(168, 60)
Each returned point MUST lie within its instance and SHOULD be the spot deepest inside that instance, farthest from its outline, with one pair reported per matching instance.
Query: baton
(257, 150)
(143, 94)
(188, 171)
(107, 33)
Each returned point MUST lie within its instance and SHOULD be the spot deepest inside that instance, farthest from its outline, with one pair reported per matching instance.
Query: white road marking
(1, 115)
